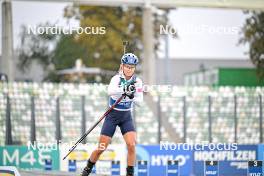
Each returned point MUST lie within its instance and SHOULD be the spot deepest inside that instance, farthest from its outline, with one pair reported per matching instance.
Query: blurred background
(57, 57)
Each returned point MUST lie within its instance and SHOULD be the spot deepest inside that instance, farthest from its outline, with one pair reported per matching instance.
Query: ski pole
(98, 121)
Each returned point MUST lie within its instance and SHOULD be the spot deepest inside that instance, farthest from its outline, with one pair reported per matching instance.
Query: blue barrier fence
(232, 159)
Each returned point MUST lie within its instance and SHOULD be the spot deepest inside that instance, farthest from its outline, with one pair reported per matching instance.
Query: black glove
(129, 90)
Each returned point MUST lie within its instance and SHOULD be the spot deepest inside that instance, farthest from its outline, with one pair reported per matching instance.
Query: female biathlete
(125, 82)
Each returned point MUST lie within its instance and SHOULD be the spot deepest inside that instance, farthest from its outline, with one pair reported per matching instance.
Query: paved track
(41, 173)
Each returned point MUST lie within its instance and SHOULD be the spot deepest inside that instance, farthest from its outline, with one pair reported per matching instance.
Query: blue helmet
(129, 58)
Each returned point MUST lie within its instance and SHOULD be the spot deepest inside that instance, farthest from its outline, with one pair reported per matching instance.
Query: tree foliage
(253, 34)
(60, 51)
